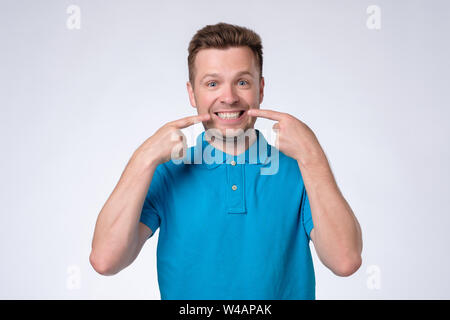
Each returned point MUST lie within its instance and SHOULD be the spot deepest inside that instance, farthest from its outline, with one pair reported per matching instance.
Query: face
(227, 84)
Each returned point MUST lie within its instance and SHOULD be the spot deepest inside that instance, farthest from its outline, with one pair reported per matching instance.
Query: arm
(336, 234)
(119, 236)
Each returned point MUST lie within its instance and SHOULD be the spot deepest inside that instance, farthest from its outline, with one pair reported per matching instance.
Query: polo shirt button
(233, 163)
(234, 187)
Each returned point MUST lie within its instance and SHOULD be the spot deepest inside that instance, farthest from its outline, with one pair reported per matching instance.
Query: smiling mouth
(230, 115)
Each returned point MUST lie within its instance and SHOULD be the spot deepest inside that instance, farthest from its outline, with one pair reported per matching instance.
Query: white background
(75, 104)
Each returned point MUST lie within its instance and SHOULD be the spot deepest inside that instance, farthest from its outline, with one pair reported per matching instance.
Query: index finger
(265, 113)
(190, 120)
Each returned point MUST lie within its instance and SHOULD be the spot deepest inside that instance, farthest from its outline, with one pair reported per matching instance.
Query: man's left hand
(294, 138)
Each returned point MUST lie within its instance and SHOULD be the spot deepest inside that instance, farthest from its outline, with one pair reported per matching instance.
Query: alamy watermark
(233, 142)
(374, 20)
(74, 20)
(374, 278)
(73, 280)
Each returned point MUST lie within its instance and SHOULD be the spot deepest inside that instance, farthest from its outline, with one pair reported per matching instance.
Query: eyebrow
(241, 73)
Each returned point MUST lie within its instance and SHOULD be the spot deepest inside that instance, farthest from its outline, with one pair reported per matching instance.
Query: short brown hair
(222, 36)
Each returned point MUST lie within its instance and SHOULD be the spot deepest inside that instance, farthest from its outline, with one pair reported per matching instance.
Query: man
(227, 231)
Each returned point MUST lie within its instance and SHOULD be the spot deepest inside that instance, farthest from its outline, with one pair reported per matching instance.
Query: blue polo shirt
(230, 226)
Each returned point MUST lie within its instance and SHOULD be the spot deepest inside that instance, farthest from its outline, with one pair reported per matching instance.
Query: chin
(227, 133)
(232, 132)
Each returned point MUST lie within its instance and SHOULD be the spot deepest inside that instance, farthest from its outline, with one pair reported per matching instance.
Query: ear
(191, 94)
(261, 90)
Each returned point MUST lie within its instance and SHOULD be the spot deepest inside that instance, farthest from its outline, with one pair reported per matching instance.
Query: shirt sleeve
(306, 214)
(151, 210)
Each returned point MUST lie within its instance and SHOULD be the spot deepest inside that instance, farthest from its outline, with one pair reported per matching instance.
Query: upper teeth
(229, 115)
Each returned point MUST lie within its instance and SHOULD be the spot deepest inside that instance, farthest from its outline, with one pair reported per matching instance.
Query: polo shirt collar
(258, 153)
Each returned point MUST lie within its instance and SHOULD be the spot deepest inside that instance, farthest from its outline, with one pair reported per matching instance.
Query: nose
(228, 95)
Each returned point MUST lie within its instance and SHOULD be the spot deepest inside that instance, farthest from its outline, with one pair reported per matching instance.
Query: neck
(233, 145)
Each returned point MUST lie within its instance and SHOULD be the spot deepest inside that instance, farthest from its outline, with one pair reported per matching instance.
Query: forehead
(224, 60)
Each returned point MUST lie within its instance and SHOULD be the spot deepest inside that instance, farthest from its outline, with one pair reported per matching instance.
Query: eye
(208, 84)
(245, 81)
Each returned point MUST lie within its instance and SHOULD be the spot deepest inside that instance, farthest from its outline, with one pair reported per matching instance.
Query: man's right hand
(168, 142)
